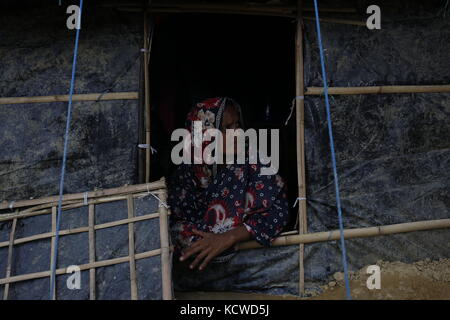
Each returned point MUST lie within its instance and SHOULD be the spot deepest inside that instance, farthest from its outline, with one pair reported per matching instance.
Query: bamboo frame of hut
(248, 9)
(238, 9)
(147, 46)
(28, 208)
(351, 233)
(300, 142)
(309, 91)
(128, 193)
(76, 97)
(379, 90)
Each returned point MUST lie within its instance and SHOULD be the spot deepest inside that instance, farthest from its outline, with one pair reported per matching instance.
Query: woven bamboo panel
(118, 238)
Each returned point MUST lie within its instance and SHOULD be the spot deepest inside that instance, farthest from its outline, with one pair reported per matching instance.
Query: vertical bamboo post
(10, 251)
(300, 125)
(141, 121)
(130, 205)
(165, 248)
(52, 250)
(147, 98)
(91, 251)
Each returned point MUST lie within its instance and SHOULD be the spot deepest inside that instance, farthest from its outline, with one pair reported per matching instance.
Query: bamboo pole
(282, 11)
(152, 186)
(76, 97)
(379, 89)
(9, 263)
(132, 263)
(165, 250)
(71, 205)
(45, 206)
(337, 21)
(249, 8)
(91, 223)
(242, 12)
(352, 233)
(141, 121)
(81, 229)
(53, 247)
(97, 264)
(147, 98)
(300, 142)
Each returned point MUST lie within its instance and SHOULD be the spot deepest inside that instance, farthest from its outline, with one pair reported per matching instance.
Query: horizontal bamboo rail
(76, 97)
(309, 90)
(152, 186)
(266, 8)
(69, 205)
(379, 89)
(338, 21)
(352, 233)
(133, 192)
(80, 229)
(241, 11)
(97, 264)
(225, 8)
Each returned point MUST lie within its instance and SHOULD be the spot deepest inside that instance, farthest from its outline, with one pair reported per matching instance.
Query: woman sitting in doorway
(214, 207)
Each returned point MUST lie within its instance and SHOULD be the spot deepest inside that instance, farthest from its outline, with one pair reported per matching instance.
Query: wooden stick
(10, 252)
(72, 205)
(165, 250)
(46, 205)
(241, 12)
(300, 141)
(76, 97)
(130, 205)
(92, 251)
(53, 246)
(147, 98)
(248, 7)
(97, 264)
(352, 233)
(283, 11)
(11, 216)
(81, 229)
(379, 89)
(141, 121)
(152, 186)
(337, 21)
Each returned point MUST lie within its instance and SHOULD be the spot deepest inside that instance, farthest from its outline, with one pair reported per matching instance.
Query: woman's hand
(212, 244)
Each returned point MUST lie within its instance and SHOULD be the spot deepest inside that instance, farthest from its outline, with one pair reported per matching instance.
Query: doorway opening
(248, 58)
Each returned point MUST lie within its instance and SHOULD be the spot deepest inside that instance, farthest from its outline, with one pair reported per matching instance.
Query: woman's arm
(213, 244)
(269, 213)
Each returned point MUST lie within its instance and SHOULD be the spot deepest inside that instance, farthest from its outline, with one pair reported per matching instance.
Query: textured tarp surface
(36, 54)
(393, 154)
(393, 151)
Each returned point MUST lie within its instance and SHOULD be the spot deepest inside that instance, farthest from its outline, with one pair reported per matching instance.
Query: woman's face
(230, 120)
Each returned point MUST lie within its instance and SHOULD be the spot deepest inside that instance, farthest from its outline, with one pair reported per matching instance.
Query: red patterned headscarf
(210, 113)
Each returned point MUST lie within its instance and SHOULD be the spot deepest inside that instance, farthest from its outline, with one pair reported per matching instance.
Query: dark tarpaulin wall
(393, 154)
(36, 54)
(392, 150)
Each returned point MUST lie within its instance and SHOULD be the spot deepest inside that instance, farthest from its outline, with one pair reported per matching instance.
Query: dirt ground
(422, 280)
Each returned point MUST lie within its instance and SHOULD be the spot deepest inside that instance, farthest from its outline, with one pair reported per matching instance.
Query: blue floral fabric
(217, 198)
(238, 195)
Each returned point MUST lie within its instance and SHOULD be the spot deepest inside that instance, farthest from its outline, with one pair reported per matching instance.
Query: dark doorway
(248, 58)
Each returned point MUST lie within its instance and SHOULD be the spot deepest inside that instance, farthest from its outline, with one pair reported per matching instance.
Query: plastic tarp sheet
(393, 156)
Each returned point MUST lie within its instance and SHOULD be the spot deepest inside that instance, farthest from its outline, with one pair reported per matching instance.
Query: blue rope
(333, 155)
(63, 169)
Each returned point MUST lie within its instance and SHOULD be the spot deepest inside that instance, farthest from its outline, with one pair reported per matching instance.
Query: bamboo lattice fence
(154, 192)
